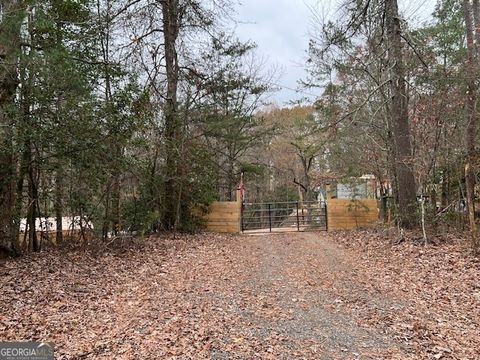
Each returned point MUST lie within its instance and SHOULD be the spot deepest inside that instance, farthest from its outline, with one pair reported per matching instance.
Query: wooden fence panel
(224, 216)
(347, 214)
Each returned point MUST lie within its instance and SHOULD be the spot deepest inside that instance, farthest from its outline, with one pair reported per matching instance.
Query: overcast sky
(281, 30)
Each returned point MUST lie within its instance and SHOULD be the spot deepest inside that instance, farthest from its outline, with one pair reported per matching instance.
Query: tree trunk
(399, 116)
(232, 184)
(7, 186)
(106, 222)
(476, 21)
(472, 121)
(170, 11)
(59, 205)
(306, 179)
(9, 48)
(7, 194)
(34, 244)
(383, 202)
(116, 203)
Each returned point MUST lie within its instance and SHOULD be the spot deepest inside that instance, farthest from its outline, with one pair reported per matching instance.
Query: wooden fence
(342, 214)
(224, 216)
(346, 214)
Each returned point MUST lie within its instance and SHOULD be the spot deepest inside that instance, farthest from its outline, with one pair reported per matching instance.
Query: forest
(124, 122)
(130, 115)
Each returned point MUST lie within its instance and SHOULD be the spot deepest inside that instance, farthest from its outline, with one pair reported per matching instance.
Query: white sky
(280, 28)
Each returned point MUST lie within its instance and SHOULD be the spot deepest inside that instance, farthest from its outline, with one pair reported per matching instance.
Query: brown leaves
(280, 297)
(121, 301)
(440, 317)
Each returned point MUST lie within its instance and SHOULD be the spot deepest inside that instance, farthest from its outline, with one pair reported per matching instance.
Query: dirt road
(292, 300)
(283, 296)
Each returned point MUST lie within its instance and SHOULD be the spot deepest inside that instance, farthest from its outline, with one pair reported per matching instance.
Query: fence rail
(291, 214)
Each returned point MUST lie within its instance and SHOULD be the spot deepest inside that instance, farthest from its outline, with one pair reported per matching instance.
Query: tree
(471, 16)
(295, 152)
(373, 27)
(172, 15)
(399, 115)
(10, 23)
(230, 89)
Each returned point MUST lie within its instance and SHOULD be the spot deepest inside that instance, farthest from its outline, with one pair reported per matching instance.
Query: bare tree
(399, 116)
(378, 24)
(471, 129)
(171, 27)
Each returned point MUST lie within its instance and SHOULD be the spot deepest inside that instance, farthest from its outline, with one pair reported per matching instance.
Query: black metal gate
(284, 216)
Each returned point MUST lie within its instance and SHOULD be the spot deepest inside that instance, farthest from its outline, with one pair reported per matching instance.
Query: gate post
(326, 217)
(241, 221)
(240, 210)
(298, 219)
(270, 217)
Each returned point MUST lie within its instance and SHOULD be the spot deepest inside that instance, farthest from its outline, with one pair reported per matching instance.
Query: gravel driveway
(295, 288)
(280, 296)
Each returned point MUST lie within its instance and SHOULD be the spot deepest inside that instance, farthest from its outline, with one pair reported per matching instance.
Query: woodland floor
(281, 296)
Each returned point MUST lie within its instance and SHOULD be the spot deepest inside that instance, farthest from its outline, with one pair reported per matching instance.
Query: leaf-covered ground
(439, 286)
(283, 296)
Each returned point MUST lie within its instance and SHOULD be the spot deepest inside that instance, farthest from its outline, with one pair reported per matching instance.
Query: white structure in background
(363, 187)
(50, 224)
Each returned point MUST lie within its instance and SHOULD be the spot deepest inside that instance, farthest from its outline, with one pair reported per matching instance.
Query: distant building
(363, 187)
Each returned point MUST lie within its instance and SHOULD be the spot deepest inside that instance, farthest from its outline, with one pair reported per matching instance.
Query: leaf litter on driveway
(210, 296)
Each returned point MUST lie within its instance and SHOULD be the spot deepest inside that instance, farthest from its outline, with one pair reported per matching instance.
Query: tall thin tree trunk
(7, 186)
(476, 21)
(106, 220)
(116, 202)
(112, 195)
(9, 50)
(59, 186)
(231, 178)
(20, 183)
(476, 17)
(444, 189)
(399, 116)
(59, 173)
(170, 11)
(7, 192)
(34, 244)
(472, 121)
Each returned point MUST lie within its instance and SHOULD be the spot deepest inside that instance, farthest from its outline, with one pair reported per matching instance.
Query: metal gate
(284, 216)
